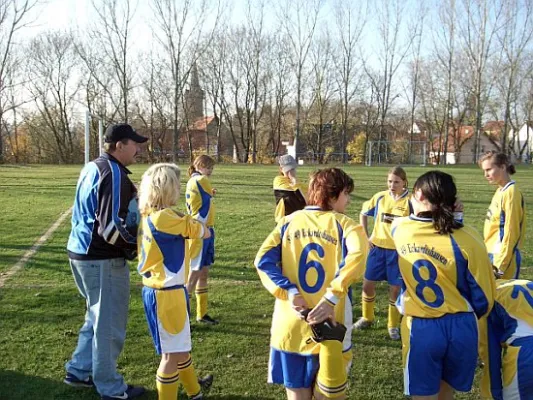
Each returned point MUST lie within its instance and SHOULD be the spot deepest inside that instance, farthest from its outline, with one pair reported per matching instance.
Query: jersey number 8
(304, 266)
(428, 283)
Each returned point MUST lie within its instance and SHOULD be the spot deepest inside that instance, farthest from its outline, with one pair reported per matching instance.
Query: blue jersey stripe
(172, 247)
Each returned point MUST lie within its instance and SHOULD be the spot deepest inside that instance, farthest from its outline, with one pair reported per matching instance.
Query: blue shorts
(435, 349)
(517, 368)
(202, 251)
(382, 264)
(292, 370)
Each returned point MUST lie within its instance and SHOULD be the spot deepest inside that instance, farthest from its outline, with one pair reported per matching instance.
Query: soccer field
(41, 310)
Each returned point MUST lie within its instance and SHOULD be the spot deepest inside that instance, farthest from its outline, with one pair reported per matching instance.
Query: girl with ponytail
(447, 285)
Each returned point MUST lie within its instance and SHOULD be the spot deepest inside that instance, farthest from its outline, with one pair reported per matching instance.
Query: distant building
(521, 143)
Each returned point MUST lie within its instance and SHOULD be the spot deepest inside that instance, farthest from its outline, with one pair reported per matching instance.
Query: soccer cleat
(362, 323)
(130, 393)
(205, 384)
(394, 333)
(206, 319)
(73, 381)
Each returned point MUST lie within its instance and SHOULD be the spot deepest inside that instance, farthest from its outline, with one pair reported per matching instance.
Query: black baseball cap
(118, 132)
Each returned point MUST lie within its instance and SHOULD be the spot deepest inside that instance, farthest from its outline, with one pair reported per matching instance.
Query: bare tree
(51, 66)
(112, 32)
(514, 38)
(299, 20)
(393, 48)
(180, 26)
(14, 16)
(350, 21)
(416, 30)
(478, 30)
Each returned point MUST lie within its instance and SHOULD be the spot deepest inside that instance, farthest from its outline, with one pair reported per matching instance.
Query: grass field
(41, 310)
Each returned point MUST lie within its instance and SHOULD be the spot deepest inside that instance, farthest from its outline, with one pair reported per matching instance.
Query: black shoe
(73, 381)
(206, 319)
(130, 393)
(205, 385)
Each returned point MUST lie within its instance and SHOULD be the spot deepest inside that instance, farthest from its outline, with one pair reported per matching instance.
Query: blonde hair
(160, 188)
(203, 161)
(400, 173)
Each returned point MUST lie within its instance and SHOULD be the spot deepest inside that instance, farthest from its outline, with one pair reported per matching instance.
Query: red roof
(201, 124)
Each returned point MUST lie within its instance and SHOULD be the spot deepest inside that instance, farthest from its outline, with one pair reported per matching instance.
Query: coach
(98, 246)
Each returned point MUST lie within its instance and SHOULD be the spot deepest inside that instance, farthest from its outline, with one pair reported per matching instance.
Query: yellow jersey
(315, 254)
(442, 274)
(510, 319)
(199, 199)
(163, 253)
(384, 208)
(505, 225)
(289, 197)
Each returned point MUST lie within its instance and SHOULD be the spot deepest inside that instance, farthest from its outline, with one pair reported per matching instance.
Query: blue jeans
(105, 285)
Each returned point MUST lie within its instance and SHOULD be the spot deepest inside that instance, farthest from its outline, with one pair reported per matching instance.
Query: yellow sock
(347, 358)
(368, 307)
(331, 380)
(188, 377)
(394, 316)
(167, 385)
(201, 302)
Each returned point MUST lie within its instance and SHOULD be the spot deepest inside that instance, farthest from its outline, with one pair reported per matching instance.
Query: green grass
(41, 310)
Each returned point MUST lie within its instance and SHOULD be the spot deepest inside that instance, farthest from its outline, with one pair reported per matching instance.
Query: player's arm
(368, 210)
(480, 278)
(490, 353)
(268, 265)
(352, 267)
(175, 223)
(512, 207)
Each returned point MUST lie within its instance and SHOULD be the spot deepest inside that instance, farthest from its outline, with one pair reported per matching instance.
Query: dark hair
(327, 184)
(500, 159)
(202, 161)
(440, 191)
(400, 173)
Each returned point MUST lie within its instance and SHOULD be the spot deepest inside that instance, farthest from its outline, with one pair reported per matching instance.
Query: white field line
(31, 252)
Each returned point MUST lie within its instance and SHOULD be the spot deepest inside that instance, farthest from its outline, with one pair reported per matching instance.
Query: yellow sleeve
(352, 268)
(268, 262)
(512, 207)
(480, 280)
(369, 206)
(168, 221)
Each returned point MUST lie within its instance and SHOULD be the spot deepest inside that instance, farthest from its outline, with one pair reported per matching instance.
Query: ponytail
(440, 191)
(444, 220)
(191, 170)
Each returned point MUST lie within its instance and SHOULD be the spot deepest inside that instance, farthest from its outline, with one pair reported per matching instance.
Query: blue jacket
(103, 196)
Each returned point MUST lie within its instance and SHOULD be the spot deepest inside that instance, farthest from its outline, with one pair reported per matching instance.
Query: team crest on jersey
(387, 218)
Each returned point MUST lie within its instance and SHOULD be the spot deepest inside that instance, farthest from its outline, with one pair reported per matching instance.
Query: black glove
(326, 330)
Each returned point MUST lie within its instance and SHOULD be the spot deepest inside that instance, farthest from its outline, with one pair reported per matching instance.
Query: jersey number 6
(304, 266)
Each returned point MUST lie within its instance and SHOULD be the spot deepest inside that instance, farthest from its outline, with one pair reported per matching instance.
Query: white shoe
(394, 333)
(362, 323)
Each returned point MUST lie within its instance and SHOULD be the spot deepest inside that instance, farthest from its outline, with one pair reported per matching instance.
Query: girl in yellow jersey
(506, 347)
(309, 261)
(447, 283)
(162, 259)
(382, 263)
(505, 225)
(199, 200)
(288, 192)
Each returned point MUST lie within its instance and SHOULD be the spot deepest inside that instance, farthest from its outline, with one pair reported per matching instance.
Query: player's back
(512, 315)
(198, 199)
(440, 272)
(311, 250)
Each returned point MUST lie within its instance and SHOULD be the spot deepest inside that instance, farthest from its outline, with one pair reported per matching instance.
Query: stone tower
(194, 98)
